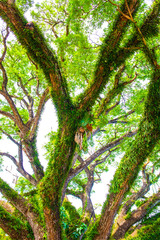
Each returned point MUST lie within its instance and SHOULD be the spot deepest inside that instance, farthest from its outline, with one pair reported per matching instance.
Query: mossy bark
(13, 226)
(146, 139)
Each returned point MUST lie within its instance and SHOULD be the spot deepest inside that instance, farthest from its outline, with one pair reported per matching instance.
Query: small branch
(30, 99)
(9, 136)
(107, 147)
(37, 87)
(4, 44)
(6, 114)
(119, 10)
(112, 107)
(21, 100)
(5, 77)
(42, 102)
(9, 156)
(55, 33)
(117, 89)
(20, 168)
(103, 159)
(86, 169)
(16, 118)
(115, 120)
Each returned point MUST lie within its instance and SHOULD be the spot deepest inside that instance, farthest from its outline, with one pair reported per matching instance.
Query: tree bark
(147, 137)
(13, 226)
(136, 216)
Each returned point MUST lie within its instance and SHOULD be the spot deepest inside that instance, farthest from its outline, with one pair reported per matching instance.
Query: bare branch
(5, 77)
(9, 156)
(9, 136)
(20, 168)
(4, 43)
(42, 102)
(107, 147)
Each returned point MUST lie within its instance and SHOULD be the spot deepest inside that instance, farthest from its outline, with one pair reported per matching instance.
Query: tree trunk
(52, 224)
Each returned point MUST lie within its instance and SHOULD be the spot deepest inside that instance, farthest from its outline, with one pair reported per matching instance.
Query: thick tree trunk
(52, 184)
(53, 224)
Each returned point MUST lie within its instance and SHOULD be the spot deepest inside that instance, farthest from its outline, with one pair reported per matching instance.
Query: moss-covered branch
(106, 59)
(147, 137)
(14, 227)
(23, 206)
(114, 56)
(40, 52)
(136, 216)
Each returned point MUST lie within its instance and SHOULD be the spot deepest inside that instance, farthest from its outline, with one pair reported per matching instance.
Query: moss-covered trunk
(56, 174)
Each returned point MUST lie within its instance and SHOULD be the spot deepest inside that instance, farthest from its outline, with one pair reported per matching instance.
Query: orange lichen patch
(89, 127)
(81, 129)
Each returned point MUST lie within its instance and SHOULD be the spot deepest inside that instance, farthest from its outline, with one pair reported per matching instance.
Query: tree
(106, 96)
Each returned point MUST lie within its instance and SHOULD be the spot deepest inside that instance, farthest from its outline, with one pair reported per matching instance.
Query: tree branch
(89, 160)
(4, 44)
(20, 168)
(104, 66)
(17, 118)
(137, 215)
(139, 194)
(6, 114)
(42, 102)
(42, 55)
(147, 136)
(116, 90)
(21, 204)
(9, 136)
(13, 226)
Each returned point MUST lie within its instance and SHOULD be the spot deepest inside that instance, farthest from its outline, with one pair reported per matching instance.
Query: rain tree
(98, 62)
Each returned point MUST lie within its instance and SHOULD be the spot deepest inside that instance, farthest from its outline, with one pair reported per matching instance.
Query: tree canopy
(99, 63)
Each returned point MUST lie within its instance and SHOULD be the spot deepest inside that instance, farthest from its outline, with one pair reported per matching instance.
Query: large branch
(21, 204)
(106, 59)
(13, 226)
(136, 216)
(147, 137)
(139, 194)
(40, 52)
(116, 57)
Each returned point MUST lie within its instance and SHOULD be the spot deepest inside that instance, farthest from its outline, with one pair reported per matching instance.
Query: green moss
(15, 224)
